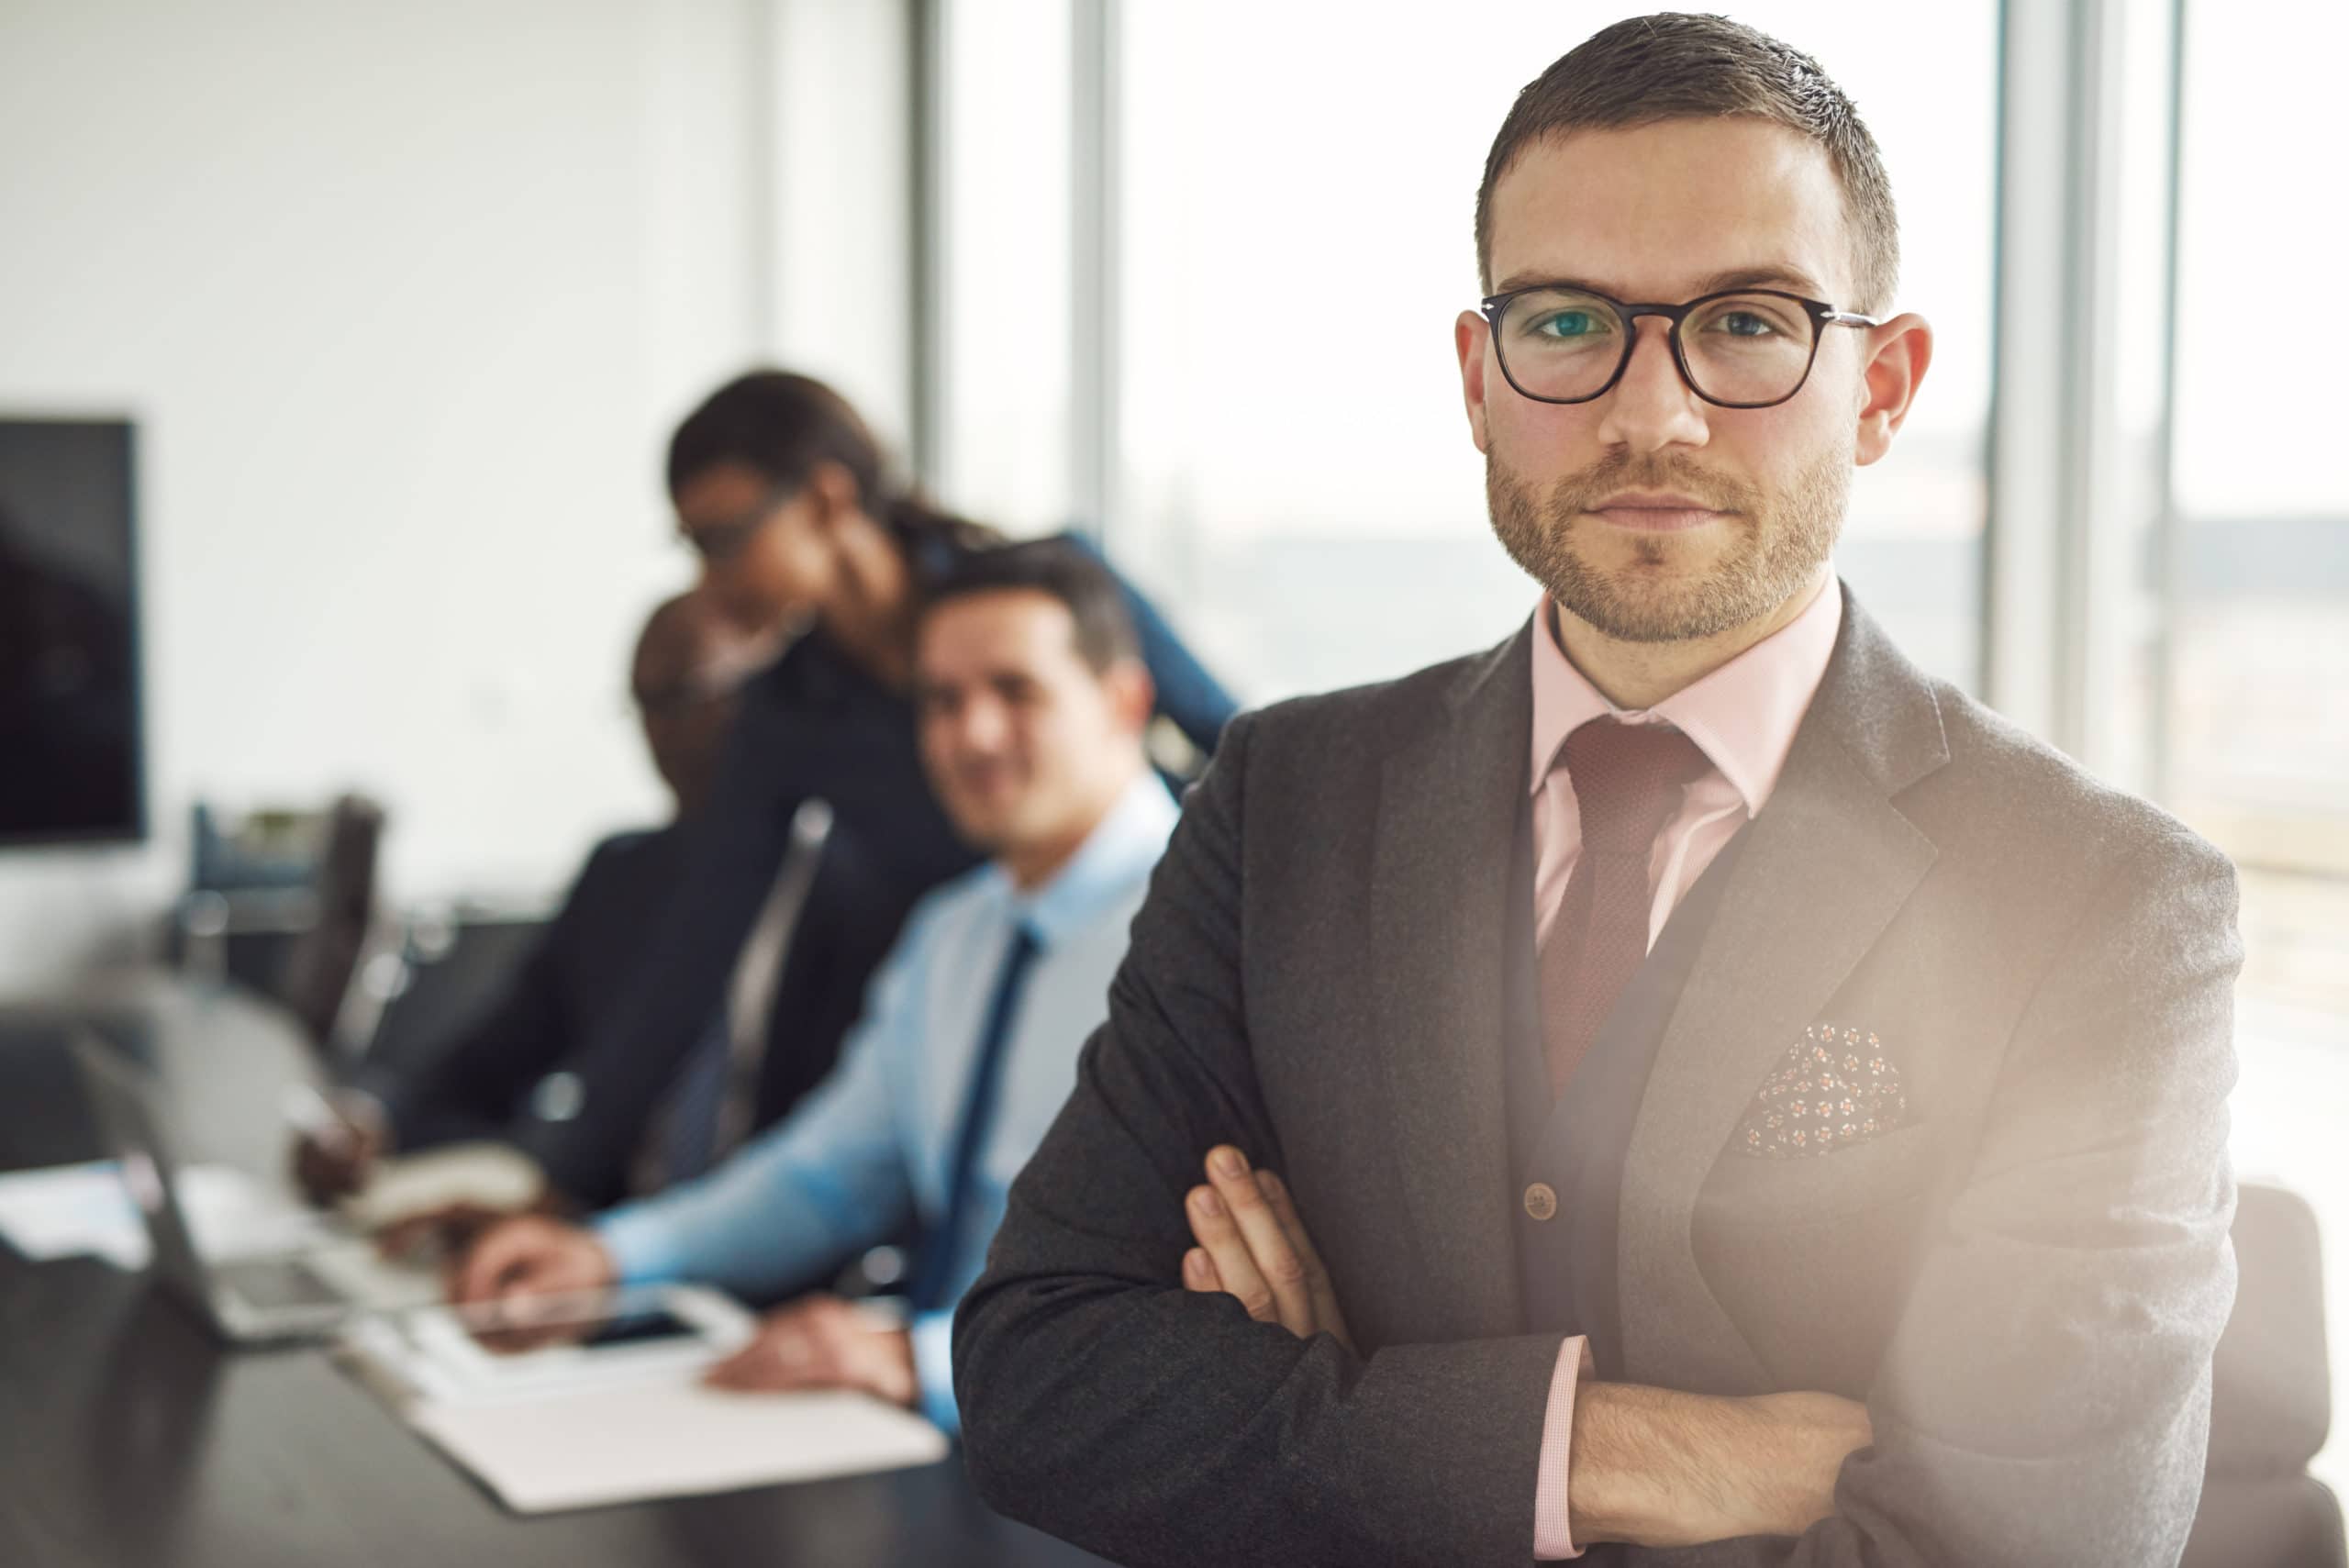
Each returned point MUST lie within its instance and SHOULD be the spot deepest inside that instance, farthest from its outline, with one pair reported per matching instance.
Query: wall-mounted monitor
(72, 751)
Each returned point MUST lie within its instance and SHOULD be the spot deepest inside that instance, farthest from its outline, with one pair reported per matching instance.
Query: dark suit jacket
(474, 1082)
(480, 1081)
(2024, 1283)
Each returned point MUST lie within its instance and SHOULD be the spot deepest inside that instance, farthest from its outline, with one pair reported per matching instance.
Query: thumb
(727, 1374)
(485, 1270)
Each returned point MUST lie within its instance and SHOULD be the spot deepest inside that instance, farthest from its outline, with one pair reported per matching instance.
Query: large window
(2257, 712)
(1320, 519)
(1000, 350)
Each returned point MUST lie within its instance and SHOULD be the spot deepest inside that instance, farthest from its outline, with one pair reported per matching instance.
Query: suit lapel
(1826, 865)
(1440, 922)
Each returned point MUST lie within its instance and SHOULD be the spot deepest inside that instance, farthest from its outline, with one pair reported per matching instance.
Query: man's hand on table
(822, 1341)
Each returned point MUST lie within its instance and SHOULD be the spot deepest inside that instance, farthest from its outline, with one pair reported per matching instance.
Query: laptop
(307, 1293)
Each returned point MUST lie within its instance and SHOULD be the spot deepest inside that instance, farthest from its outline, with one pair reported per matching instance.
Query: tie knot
(1628, 779)
(1025, 940)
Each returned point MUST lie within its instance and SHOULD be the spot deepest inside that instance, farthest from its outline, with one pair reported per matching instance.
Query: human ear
(1132, 695)
(1898, 354)
(1470, 334)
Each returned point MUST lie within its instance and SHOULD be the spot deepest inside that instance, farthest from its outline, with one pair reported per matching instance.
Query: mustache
(1655, 471)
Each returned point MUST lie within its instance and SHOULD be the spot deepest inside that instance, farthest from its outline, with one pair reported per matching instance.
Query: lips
(1650, 518)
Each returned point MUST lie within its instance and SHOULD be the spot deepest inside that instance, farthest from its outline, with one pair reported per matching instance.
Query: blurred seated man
(1032, 701)
(508, 1074)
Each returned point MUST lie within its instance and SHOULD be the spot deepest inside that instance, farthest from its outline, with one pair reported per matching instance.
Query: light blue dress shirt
(869, 1148)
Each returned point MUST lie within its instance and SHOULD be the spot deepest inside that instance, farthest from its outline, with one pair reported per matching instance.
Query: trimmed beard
(1780, 544)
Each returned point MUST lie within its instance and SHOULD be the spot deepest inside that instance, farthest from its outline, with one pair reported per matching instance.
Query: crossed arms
(1652, 1466)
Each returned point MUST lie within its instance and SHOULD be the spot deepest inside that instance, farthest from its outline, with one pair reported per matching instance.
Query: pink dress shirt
(1743, 717)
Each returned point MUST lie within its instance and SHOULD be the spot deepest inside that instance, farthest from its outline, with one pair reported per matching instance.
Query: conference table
(130, 1438)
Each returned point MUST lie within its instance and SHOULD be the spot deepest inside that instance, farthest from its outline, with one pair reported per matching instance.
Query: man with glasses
(1684, 1085)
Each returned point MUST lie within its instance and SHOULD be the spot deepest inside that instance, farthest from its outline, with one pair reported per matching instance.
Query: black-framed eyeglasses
(1740, 349)
(717, 544)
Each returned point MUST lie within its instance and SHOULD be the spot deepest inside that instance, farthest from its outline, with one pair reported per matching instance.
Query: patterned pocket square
(1834, 1088)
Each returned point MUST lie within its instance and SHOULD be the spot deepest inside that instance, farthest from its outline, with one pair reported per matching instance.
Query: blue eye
(1745, 324)
(1568, 324)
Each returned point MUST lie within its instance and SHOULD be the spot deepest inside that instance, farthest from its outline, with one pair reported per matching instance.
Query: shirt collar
(1119, 852)
(1742, 716)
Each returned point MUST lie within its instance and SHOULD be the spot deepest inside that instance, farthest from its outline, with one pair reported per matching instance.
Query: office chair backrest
(325, 961)
(2271, 1401)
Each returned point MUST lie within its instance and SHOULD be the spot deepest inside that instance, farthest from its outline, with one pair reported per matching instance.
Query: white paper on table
(71, 1210)
(436, 1355)
(632, 1442)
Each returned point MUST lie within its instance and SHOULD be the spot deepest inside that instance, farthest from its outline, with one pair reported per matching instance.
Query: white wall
(405, 298)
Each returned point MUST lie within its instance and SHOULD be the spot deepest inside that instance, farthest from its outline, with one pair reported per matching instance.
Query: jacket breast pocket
(1883, 1171)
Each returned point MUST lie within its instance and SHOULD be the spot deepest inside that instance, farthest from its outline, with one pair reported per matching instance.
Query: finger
(1317, 1276)
(782, 1358)
(1198, 1272)
(1212, 1224)
(491, 1267)
(470, 1276)
(403, 1238)
(1276, 1260)
(740, 1371)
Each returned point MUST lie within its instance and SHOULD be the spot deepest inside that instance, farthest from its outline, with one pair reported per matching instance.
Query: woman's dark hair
(785, 426)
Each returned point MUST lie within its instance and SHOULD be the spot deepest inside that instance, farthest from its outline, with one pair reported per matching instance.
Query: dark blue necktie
(691, 1145)
(934, 1283)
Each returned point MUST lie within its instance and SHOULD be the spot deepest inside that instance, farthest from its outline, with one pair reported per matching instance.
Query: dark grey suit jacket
(2024, 1283)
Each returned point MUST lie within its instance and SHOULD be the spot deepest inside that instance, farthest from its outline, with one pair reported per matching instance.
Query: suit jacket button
(1541, 1200)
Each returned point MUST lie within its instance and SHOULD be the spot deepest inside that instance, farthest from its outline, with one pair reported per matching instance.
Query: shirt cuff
(933, 1342)
(1553, 1533)
(642, 1243)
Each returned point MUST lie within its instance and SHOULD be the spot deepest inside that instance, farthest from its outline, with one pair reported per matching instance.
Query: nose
(1652, 407)
(981, 726)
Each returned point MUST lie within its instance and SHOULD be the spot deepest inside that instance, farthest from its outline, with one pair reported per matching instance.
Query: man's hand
(821, 1341)
(531, 1255)
(335, 1158)
(1252, 1246)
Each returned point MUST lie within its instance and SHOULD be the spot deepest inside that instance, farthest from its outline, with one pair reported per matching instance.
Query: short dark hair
(1674, 66)
(1067, 571)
